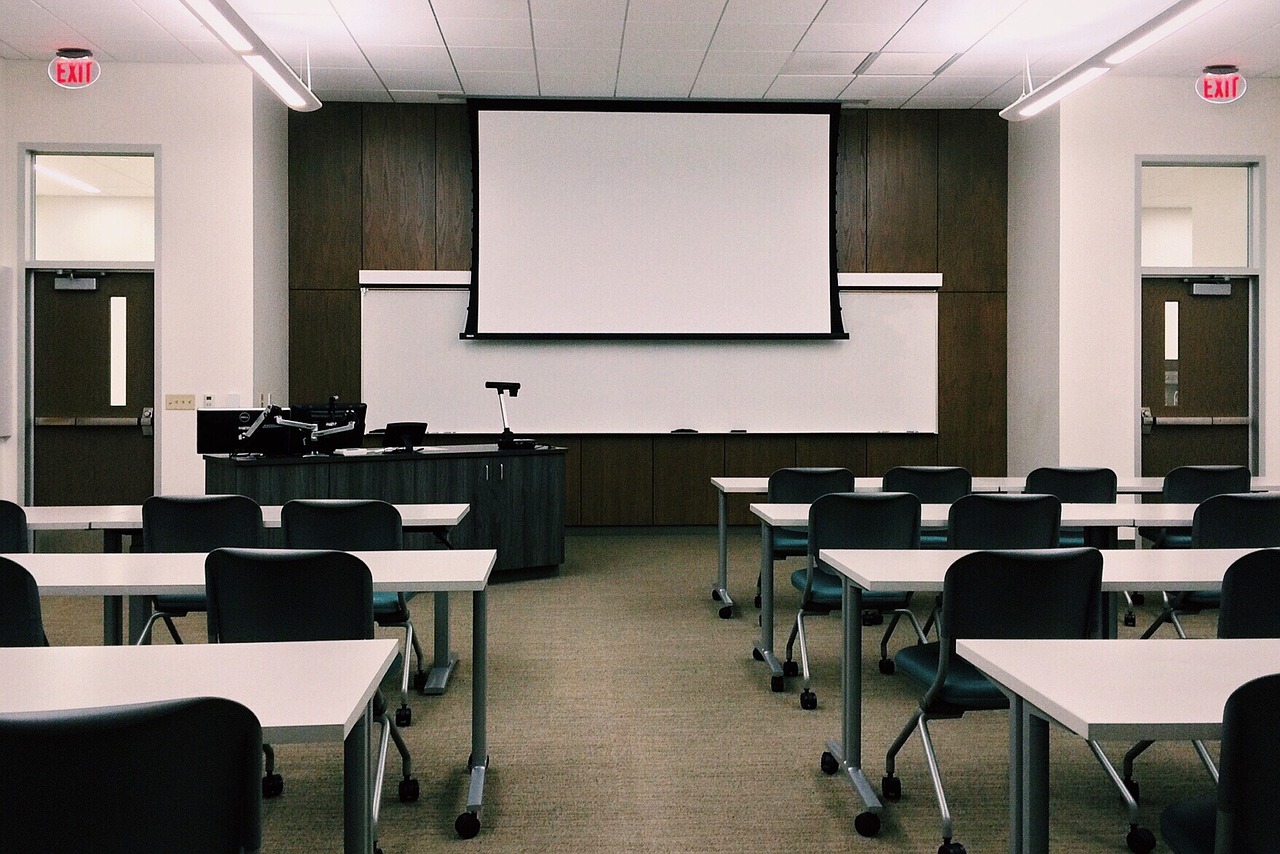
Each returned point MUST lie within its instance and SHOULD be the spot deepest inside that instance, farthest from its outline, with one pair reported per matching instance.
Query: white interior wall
(270, 252)
(200, 121)
(1106, 129)
(81, 228)
(1033, 311)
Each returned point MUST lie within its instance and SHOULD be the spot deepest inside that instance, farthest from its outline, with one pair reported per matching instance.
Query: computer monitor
(219, 431)
(328, 416)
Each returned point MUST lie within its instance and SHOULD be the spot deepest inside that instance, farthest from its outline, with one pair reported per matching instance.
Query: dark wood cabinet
(517, 498)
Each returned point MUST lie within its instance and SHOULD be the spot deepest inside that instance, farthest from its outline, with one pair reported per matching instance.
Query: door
(1195, 372)
(92, 388)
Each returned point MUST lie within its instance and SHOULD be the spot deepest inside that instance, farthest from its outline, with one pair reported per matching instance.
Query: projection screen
(653, 219)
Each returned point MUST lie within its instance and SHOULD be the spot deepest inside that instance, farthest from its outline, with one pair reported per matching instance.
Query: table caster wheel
(272, 785)
(790, 668)
(867, 824)
(419, 680)
(757, 601)
(408, 790)
(715, 595)
(1130, 620)
(808, 701)
(404, 716)
(467, 825)
(777, 684)
(726, 612)
(829, 763)
(951, 848)
(757, 655)
(1140, 840)
(872, 617)
(887, 666)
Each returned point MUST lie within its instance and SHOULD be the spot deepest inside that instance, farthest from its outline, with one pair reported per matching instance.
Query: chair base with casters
(391, 611)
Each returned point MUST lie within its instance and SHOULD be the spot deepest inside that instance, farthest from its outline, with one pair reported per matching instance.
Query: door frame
(24, 284)
(1254, 274)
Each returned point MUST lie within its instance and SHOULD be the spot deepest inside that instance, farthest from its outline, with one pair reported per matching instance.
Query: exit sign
(74, 69)
(1219, 88)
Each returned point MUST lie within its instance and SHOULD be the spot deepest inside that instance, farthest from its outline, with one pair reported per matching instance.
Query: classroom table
(1107, 690)
(342, 678)
(923, 570)
(726, 486)
(935, 516)
(117, 520)
(147, 574)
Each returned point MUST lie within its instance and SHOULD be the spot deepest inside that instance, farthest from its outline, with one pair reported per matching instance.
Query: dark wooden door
(1200, 398)
(92, 441)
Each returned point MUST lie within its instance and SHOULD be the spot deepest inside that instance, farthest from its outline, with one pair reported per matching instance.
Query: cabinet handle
(486, 471)
(502, 471)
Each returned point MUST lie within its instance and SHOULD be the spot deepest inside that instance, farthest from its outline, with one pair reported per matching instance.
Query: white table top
(1127, 690)
(341, 678)
(1133, 485)
(1122, 569)
(145, 574)
(1073, 515)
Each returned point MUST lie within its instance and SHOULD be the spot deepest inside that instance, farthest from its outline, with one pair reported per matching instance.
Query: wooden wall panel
(902, 191)
(324, 345)
(399, 188)
(617, 480)
(454, 188)
(851, 193)
(973, 381)
(682, 470)
(572, 475)
(973, 200)
(885, 451)
(324, 198)
(846, 451)
(754, 456)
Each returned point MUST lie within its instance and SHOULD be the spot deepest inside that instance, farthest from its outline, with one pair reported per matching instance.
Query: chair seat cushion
(1071, 538)
(1197, 600)
(933, 540)
(966, 689)
(1189, 826)
(387, 608)
(790, 542)
(179, 605)
(827, 593)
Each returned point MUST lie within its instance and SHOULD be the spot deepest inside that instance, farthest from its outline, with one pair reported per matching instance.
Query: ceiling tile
(588, 34)
(771, 11)
(746, 36)
(823, 63)
(590, 62)
(897, 64)
(885, 87)
(415, 96)
(808, 87)
(344, 78)
(408, 57)
(668, 83)
(499, 83)
(8, 51)
(493, 59)
(572, 85)
(482, 32)
(649, 63)
(950, 27)
(432, 80)
(732, 85)
(516, 9)
(949, 86)
(744, 62)
(360, 96)
(579, 10)
(388, 30)
(675, 10)
(668, 35)
(847, 37)
(147, 51)
(921, 102)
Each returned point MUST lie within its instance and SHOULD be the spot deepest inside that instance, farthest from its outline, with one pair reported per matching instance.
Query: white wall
(270, 251)
(1104, 131)
(82, 228)
(201, 122)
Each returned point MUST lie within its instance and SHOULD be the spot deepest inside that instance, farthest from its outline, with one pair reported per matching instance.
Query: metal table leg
(764, 651)
(720, 591)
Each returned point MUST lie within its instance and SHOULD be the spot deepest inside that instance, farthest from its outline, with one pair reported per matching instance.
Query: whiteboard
(883, 378)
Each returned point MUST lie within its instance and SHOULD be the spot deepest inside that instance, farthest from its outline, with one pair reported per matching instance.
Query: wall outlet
(179, 401)
(207, 400)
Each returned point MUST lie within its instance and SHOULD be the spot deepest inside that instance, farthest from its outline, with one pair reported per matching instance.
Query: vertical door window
(119, 350)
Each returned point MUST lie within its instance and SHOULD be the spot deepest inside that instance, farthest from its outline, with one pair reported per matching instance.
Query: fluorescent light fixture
(65, 179)
(1166, 23)
(232, 31)
(1037, 100)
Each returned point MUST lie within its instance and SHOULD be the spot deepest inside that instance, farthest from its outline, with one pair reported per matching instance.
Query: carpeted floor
(625, 716)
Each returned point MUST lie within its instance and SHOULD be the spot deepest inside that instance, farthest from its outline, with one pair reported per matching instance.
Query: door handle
(146, 421)
(1148, 420)
(1204, 420)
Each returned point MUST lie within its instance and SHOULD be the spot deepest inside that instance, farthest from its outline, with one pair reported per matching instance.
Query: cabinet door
(529, 510)
(457, 481)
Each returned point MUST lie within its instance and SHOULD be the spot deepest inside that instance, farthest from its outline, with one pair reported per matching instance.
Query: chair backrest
(1246, 520)
(864, 520)
(805, 485)
(20, 622)
(404, 434)
(13, 529)
(1004, 521)
(200, 523)
(1249, 770)
(1250, 605)
(1193, 484)
(266, 595)
(931, 484)
(348, 525)
(1022, 594)
(178, 775)
(1074, 485)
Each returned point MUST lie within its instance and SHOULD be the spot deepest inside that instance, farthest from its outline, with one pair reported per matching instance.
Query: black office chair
(20, 619)
(74, 780)
(1004, 521)
(1241, 817)
(194, 523)
(800, 486)
(404, 434)
(273, 595)
(360, 525)
(1075, 485)
(850, 520)
(1050, 593)
(1249, 609)
(932, 485)
(14, 537)
(1249, 520)
(1192, 485)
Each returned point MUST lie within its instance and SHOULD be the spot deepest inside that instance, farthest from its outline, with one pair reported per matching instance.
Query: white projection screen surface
(651, 220)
